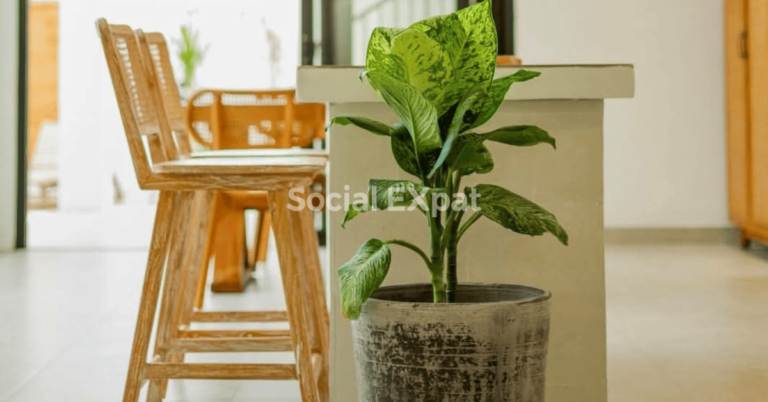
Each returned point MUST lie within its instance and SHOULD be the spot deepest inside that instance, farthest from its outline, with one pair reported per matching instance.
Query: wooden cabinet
(746, 51)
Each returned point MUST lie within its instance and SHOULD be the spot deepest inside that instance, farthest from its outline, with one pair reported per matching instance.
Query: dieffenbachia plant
(438, 77)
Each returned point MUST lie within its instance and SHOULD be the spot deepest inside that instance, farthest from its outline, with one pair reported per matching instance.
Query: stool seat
(242, 174)
(255, 166)
(248, 153)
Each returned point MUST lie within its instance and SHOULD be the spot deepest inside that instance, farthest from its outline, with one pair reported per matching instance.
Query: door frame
(21, 143)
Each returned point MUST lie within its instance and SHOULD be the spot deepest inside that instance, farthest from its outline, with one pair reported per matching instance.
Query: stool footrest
(201, 371)
(236, 344)
(239, 316)
(226, 333)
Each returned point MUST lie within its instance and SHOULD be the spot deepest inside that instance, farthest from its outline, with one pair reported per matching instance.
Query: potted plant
(445, 341)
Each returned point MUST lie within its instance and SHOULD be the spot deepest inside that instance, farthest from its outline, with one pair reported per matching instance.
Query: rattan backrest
(134, 98)
(155, 49)
(308, 124)
(231, 119)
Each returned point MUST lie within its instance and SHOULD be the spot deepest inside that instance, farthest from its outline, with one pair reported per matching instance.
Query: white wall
(665, 149)
(8, 121)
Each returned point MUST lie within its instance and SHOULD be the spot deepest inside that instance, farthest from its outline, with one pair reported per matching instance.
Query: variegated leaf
(469, 155)
(362, 275)
(385, 194)
(496, 94)
(380, 49)
(404, 151)
(473, 97)
(416, 112)
(364, 123)
(521, 136)
(517, 213)
(476, 62)
(426, 64)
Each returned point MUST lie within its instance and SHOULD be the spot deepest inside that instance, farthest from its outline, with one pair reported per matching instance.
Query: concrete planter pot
(490, 346)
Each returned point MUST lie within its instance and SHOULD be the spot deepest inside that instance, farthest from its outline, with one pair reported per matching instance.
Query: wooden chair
(187, 187)
(243, 119)
(235, 117)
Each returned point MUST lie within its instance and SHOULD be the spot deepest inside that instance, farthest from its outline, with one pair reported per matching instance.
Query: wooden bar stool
(186, 189)
(246, 119)
(235, 120)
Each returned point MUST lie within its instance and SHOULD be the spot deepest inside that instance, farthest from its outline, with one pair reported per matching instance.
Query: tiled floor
(685, 323)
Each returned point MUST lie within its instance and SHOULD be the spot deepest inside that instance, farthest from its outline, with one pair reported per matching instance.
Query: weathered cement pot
(490, 346)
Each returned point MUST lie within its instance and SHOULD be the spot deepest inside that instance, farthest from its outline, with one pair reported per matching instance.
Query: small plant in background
(438, 77)
(190, 54)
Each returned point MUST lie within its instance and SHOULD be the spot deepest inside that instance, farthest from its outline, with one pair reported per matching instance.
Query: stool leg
(192, 263)
(179, 237)
(229, 274)
(314, 286)
(262, 236)
(285, 227)
(208, 252)
(149, 295)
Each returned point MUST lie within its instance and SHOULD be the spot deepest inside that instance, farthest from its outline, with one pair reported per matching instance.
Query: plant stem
(413, 247)
(452, 240)
(452, 275)
(436, 266)
(438, 286)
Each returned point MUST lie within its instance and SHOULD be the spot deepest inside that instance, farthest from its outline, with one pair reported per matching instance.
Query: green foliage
(190, 54)
(517, 213)
(366, 124)
(383, 194)
(404, 151)
(474, 97)
(470, 155)
(362, 275)
(496, 92)
(417, 114)
(438, 77)
(521, 136)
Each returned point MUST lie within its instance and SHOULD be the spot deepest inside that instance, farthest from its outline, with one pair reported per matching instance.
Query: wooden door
(43, 68)
(737, 93)
(757, 23)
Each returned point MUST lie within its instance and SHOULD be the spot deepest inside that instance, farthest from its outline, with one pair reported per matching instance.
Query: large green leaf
(379, 55)
(353, 210)
(522, 136)
(473, 97)
(411, 56)
(449, 33)
(428, 67)
(517, 213)
(384, 194)
(496, 93)
(404, 151)
(476, 62)
(469, 155)
(446, 30)
(364, 123)
(416, 112)
(362, 275)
